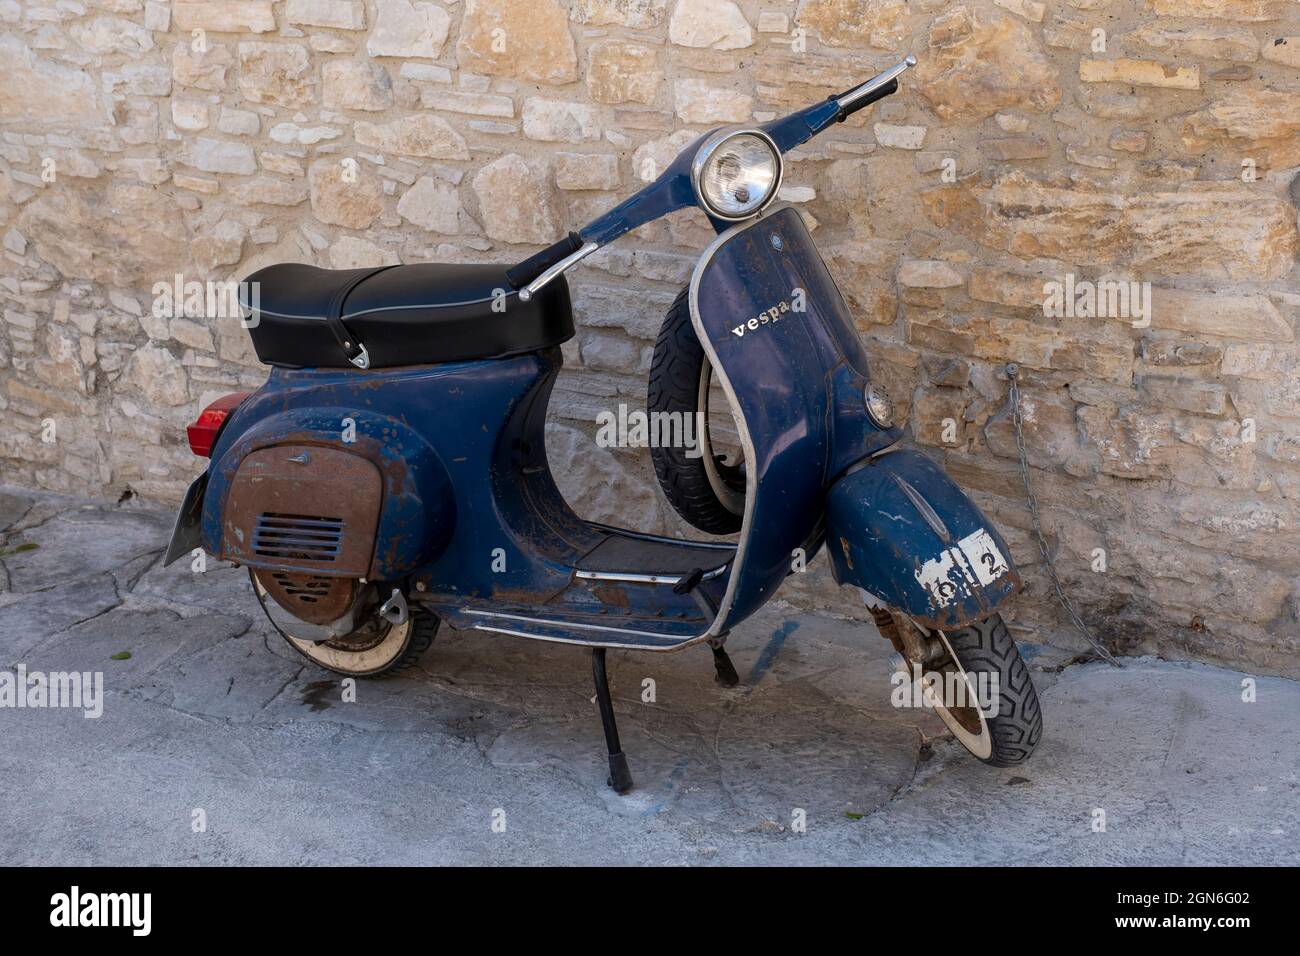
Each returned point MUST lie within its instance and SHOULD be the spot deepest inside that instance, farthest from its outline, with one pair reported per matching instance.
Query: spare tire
(704, 488)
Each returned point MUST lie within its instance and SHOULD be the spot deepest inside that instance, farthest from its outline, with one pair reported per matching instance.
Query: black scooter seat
(404, 315)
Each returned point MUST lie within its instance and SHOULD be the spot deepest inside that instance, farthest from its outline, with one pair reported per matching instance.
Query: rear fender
(417, 513)
(899, 528)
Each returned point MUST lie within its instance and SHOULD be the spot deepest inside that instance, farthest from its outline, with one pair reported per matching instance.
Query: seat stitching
(385, 308)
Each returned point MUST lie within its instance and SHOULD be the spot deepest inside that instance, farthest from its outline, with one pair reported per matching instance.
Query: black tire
(334, 655)
(674, 387)
(986, 646)
(420, 640)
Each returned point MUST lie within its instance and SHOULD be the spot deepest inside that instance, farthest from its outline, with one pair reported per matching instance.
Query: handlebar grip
(528, 270)
(880, 94)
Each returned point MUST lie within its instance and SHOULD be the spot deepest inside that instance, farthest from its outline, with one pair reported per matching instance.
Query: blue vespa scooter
(391, 473)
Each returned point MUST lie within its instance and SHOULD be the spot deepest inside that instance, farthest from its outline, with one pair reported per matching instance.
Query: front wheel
(1002, 723)
(705, 488)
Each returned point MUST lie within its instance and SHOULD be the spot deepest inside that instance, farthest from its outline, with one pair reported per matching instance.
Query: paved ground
(213, 712)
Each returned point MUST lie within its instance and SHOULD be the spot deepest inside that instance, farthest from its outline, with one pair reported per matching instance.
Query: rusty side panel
(303, 508)
(309, 597)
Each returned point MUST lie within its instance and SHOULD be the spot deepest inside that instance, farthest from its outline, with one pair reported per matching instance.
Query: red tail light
(203, 433)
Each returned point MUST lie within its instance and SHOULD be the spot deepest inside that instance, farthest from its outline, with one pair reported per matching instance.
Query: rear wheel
(373, 648)
(984, 657)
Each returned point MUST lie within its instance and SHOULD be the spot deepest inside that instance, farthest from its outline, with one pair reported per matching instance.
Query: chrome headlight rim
(880, 407)
(706, 151)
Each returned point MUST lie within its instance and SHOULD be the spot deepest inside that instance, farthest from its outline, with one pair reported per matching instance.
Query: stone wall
(1138, 140)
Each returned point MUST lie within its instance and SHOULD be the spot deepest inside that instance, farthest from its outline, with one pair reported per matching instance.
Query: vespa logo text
(770, 317)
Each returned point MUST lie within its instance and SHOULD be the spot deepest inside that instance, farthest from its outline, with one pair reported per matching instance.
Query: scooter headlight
(736, 173)
(879, 406)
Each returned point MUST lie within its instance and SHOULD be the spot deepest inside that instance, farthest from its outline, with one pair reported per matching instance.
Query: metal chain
(1013, 372)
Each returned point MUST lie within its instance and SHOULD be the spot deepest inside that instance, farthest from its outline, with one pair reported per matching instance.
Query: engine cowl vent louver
(303, 587)
(297, 537)
(303, 509)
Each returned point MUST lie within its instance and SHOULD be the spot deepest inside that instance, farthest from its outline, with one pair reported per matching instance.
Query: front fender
(900, 528)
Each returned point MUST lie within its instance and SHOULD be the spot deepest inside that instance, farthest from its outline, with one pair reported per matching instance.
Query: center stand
(620, 777)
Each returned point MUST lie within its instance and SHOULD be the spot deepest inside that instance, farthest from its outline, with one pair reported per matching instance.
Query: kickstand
(620, 777)
(725, 671)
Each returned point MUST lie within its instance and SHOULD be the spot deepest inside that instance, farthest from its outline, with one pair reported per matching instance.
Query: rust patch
(608, 592)
(394, 469)
(309, 597)
(888, 627)
(848, 555)
(304, 508)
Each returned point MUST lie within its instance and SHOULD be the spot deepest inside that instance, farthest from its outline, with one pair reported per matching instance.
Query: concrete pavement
(491, 753)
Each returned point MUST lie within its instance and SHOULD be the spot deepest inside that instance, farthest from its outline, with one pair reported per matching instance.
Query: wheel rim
(335, 656)
(364, 651)
(723, 478)
(968, 724)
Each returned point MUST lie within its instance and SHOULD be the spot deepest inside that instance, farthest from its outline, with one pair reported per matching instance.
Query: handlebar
(879, 93)
(674, 190)
(532, 267)
(876, 88)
